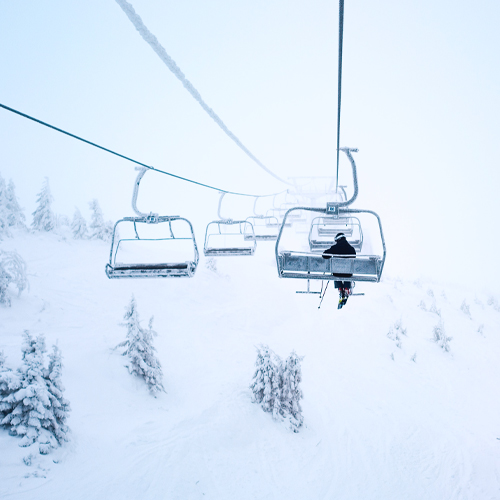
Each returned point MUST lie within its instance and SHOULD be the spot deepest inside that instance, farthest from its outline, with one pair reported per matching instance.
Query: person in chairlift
(341, 247)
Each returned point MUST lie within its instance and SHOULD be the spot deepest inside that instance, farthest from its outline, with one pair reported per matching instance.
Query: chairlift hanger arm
(222, 194)
(348, 152)
(140, 175)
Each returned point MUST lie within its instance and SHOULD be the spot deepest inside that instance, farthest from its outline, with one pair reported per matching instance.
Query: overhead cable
(131, 159)
(172, 66)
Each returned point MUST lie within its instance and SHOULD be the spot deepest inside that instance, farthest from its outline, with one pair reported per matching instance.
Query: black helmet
(339, 236)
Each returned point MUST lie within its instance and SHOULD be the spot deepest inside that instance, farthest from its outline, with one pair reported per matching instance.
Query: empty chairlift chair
(278, 214)
(265, 227)
(227, 237)
(152, 246)
(324, 229)
(308, 265)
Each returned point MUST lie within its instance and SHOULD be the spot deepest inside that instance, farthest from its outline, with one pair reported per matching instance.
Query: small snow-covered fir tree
(59, 405)
(15, 214)
(32, 415)
(291, 392)
(276, 386)
(43, 217)
(12, 272)
(267, 381)
(79, 226)
(139, 348)
(9, 381)
(98, 228)
(4, 214)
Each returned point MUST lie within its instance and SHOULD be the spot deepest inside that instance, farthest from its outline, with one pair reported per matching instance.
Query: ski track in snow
(374, 427)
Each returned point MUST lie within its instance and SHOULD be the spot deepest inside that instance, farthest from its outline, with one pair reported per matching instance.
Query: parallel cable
(131, 159)
(339, 88)
(172, 66)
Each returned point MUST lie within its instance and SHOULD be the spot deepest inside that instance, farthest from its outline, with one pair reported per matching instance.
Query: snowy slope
(378, 425)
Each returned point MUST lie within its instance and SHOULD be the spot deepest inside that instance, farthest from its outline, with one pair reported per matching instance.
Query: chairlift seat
(164, 270)
(263, 228)
(328, 231)
(322, 245)
(313, 266)
(225, 230)
(229, 251)
(152, 251)
(261, 237)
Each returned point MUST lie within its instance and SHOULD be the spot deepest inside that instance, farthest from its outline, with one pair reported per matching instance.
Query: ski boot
(343, 296)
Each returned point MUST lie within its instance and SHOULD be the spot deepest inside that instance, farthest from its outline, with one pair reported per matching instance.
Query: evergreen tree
(43, 217)
(9, 381)
(32, 417)
(79, 226)
(59, 405)
(97, 229)
(276, 386)
(139, 348)
(4, 214)
(12, 271)
(15, 215)
(291, 393)
(267, 381)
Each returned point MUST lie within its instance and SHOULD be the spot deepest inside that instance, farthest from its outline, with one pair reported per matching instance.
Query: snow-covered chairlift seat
(161, 263)
(265, 228)
(303, 265)
(231, 238)
(314, 266)
(324, 229)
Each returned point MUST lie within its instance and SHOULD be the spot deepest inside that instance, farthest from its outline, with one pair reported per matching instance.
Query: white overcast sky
(421, 101)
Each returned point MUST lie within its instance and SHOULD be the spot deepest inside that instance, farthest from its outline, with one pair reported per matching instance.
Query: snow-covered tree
(267, 381)
(99, 230)
(276, 386)
(440, 337)
(9, 381)
(43, 217)
(139, 348)
(12, 272)
(59, 405)
(15, 214)
(4, 214)
(79, 226)
(291, 392)
(32, 416)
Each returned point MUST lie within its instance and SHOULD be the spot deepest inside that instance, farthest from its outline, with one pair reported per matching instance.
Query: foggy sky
(420, 101)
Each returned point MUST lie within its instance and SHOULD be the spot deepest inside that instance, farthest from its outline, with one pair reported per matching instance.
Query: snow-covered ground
(384, 418)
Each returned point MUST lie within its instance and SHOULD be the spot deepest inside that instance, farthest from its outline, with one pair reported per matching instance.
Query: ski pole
(321, 301)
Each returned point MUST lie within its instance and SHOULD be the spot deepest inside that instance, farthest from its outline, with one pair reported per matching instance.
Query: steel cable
(131, 159)
(153, 42)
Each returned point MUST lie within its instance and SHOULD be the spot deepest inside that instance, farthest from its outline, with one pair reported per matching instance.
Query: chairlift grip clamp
(332, 209)
(152, 218)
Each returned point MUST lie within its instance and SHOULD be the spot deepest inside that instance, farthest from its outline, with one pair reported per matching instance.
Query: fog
(420, 101)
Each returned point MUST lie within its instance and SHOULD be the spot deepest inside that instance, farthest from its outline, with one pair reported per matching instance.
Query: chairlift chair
(278, 214)
(265, 227)
(312, 266)
(324, 229)
(152, 246)
(227, 237)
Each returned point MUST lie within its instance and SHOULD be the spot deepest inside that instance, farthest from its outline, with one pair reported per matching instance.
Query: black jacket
(342, 247)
